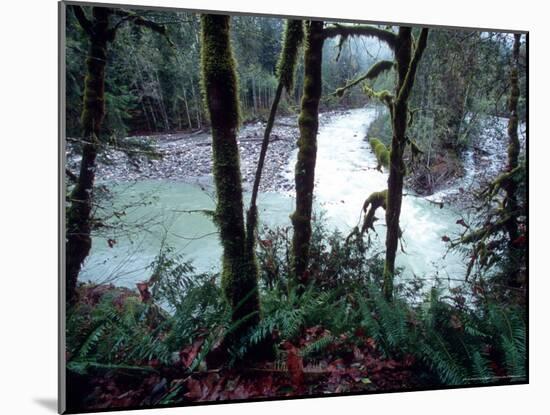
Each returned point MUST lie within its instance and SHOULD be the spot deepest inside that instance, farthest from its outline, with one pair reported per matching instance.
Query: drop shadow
(48, 403)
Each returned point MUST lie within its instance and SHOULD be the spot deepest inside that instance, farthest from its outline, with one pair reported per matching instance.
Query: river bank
(187, 158)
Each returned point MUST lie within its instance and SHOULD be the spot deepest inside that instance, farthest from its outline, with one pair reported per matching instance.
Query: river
(345, 176)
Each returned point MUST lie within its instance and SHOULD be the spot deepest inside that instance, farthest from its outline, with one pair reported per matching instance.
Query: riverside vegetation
(305, 306)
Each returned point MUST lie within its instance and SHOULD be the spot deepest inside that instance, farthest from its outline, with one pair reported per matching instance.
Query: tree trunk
(286, 67)
(397, 167)
(307, 149)
(189, 123)
(239, 272)
(252, 214)
(78, 239)
(406, 71)
(514, 144)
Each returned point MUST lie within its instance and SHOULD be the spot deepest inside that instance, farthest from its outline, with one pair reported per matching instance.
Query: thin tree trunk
(190, 124)
(286, 65)
(252, 214)
(197, 104)
(307, 149)
(406, 71)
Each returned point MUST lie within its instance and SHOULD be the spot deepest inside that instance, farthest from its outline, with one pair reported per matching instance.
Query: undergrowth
(449, 336)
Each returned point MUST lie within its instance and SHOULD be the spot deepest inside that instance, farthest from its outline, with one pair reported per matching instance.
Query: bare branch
(84, 22)
(136, 19)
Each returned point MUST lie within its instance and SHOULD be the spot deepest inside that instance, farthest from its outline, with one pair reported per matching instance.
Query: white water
(345, 176)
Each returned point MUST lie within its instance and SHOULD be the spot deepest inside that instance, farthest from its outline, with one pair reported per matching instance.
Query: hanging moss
(292, 40)
(381, 151)
(308, 122)
(372, 203)
(219, 82)
(385, 97)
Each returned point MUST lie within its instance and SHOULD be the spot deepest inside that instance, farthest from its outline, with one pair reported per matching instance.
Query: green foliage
(458, 345)
(116, 331)
(453, 341)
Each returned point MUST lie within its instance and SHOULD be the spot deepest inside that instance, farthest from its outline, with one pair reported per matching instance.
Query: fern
(317, 346)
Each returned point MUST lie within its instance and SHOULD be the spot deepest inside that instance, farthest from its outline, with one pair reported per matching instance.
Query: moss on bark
(292, 39)
(381, 152)
(78, 240)
(372, 203)
(219, 82)
(406, 64)
(307, 149)
(511, 186)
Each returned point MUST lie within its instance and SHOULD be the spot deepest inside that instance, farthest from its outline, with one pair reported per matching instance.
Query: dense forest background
(303, 308)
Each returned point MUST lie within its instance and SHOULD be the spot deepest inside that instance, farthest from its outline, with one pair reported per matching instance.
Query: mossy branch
(372, 73)
(405, 90)
(501, 182)
(480, 235)
(385, 97)
(292, 40)
(372, 203)
(361, 30)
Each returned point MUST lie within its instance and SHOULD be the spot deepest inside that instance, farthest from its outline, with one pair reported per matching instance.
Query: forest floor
(346, 366)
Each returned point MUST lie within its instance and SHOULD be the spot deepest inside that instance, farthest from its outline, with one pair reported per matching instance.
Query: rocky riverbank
(187, 157)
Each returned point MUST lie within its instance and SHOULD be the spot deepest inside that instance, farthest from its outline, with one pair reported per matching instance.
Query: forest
(260, 207)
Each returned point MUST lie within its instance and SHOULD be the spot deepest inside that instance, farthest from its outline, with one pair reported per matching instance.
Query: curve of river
(345, 176)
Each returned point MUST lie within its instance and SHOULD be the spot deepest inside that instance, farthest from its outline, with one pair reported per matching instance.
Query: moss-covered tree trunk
(78, 239)
(307, 149)
(397, 167)
(511, 186)
(406, 71)
(239, 272)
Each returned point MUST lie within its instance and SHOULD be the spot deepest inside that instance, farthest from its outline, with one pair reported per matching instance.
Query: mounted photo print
(260, 207)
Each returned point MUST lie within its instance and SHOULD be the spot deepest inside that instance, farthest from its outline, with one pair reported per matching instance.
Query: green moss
(219, 82)
(217, 56)
(378, 68)
(372, 203)
(308, 122)
(381, 151)
(292, 40)
(406, 65)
